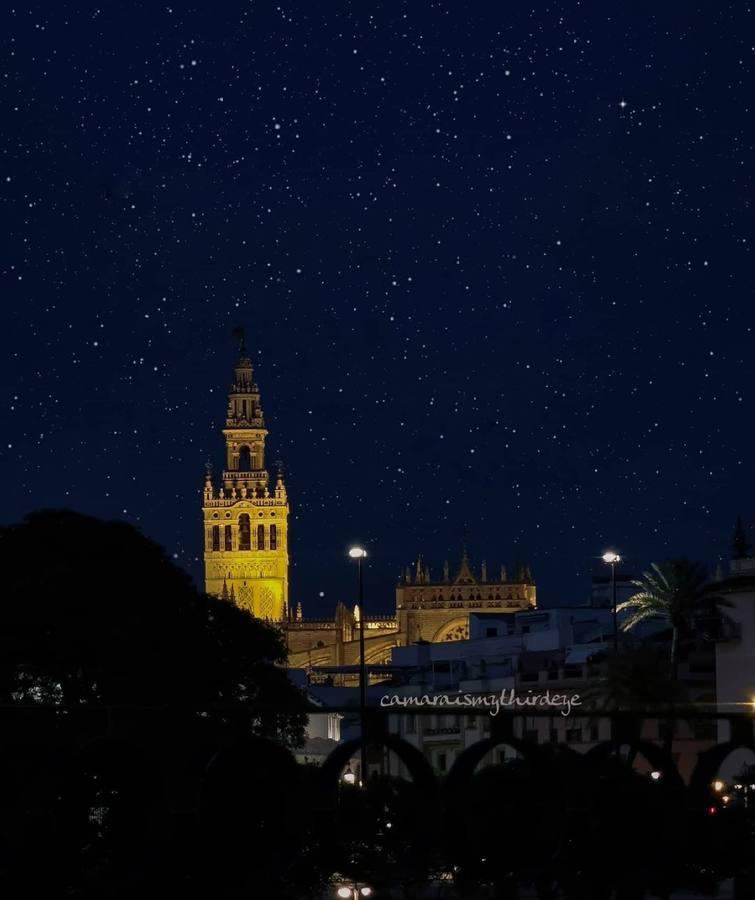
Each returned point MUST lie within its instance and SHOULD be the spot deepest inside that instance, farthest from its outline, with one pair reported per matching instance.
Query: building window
(245, 532)
(245, 459)
(471, 721)
(491, 632)
(411, 723)
(228, 538)
(216, 537)
(273, 537)
(573, 734)
(442, 762)
(260, 537)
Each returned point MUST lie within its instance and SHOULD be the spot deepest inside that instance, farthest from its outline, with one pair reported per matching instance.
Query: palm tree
(676, 592)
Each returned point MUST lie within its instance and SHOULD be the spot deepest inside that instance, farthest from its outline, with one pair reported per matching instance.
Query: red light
(712, 810)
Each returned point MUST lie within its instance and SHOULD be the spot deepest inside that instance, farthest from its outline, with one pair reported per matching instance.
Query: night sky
(494, 261)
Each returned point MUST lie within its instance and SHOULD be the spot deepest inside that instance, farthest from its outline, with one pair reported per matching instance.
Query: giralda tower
(245, 524)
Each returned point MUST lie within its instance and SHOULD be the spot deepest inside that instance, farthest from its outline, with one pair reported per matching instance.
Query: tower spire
(240, 334)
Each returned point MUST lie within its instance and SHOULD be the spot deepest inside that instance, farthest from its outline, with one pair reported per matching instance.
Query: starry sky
(494, 261)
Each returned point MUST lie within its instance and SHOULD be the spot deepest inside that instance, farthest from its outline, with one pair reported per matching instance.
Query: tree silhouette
(95, 613)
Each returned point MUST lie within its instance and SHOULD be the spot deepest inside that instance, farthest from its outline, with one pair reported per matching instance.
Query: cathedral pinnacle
(465, 575)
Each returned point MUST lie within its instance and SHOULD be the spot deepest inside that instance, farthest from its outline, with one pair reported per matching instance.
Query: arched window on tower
(273, 537)
(228, 538)
(216, 537)
(245, 532)
(245, 459)
(260, 537)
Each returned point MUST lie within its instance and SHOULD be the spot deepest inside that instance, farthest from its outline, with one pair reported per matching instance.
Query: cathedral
(246, 560)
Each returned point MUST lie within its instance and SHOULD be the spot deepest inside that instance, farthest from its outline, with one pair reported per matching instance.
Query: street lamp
(348, 776)
(354, 892)
(358, 553)
(610, 557)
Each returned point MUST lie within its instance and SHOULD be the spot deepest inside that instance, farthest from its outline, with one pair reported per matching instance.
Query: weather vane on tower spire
(240, 334)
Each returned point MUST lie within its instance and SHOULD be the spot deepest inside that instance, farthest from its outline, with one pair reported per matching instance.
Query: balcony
(255, 475)
(255, 501)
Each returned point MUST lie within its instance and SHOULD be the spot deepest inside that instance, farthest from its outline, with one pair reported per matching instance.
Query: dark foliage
(94, 613)
(122, 685)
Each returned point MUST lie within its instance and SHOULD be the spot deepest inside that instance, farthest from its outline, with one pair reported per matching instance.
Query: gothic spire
(465, 575)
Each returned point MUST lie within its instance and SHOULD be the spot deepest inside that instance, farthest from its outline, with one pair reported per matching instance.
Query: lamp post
(353, 891)
(358, 553)
(611, 558)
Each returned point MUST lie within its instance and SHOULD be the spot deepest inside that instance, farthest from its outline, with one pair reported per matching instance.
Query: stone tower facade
(245, 523)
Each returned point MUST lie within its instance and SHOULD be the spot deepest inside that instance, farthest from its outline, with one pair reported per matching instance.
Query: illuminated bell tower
(245, 524)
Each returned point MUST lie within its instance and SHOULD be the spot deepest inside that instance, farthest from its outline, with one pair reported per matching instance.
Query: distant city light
(655, 775)
(718, 786)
